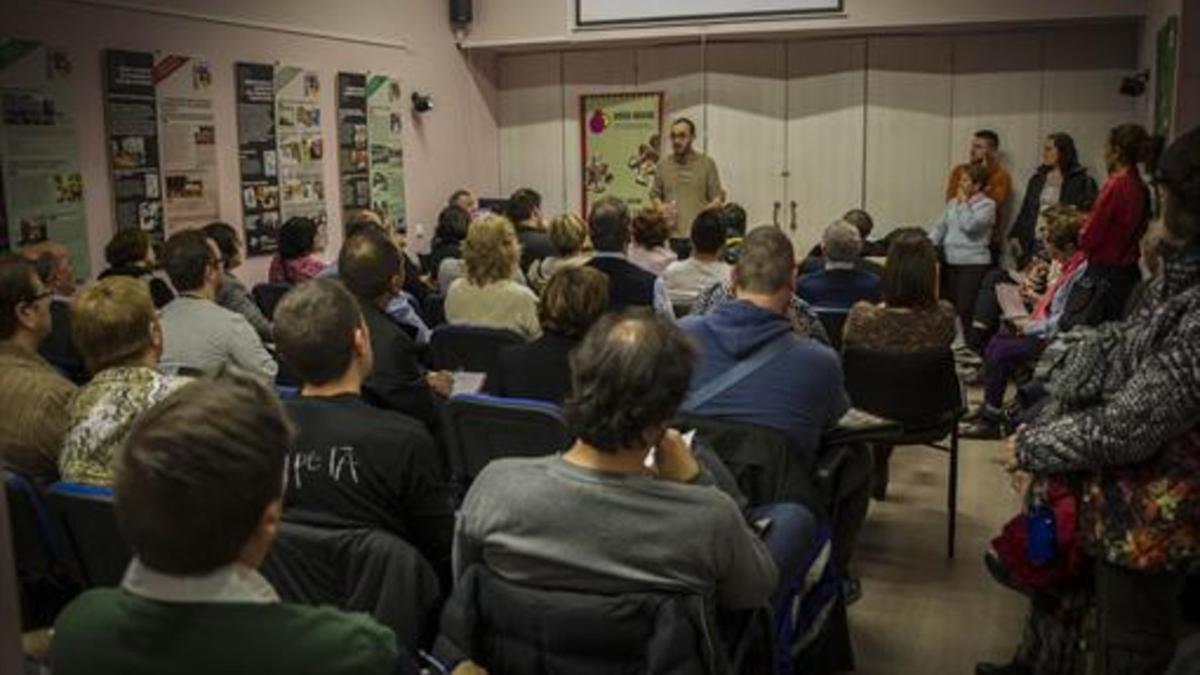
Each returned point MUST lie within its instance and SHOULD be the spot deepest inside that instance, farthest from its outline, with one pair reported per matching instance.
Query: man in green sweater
(198, 497)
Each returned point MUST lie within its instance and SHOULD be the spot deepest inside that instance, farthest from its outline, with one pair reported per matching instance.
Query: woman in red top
(1118, 220)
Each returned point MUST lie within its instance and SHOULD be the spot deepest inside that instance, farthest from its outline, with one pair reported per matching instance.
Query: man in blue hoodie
(753, 369)
(798, 388)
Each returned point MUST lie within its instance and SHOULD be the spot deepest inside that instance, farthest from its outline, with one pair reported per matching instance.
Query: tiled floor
(922, 614)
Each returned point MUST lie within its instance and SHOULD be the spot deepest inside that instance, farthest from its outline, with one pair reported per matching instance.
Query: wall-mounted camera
(422, 103)
(1135, 85)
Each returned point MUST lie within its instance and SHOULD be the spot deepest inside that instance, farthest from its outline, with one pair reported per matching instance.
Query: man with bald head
(52, 260)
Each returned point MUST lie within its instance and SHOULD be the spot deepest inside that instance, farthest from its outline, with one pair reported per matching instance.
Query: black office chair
(471, 348)
(85, 513)
(433, 310)
(481, 428)
(357, 570)
(833, 319)
(510, 627)
(922, 392)
(46, 581)
(267, 296)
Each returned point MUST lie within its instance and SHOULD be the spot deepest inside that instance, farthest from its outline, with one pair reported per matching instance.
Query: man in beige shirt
(33, 397)
(685, 184)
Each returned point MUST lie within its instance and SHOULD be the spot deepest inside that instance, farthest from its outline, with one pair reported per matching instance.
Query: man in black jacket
(370, 266)
(362, 465)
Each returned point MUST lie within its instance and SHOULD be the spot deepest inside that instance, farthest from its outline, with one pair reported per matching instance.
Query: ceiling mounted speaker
(462, 12)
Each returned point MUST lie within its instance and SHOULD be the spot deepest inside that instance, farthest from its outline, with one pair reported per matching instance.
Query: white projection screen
(605, 12)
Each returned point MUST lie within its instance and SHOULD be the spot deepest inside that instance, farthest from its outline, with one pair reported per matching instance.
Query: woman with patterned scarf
(1131, 433)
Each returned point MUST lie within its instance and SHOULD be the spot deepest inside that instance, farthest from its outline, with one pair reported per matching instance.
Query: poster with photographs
(39, 150)
(385, 127)
(353, 153)
(257, 156)
(301, 146)
(188, 137)
(132, 110)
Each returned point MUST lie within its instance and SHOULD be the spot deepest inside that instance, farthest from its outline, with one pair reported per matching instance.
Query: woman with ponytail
(1111, 235)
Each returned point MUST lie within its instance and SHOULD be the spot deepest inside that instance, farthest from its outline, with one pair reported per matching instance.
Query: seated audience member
(649, 249)
(52, 260)
(628, 284)
(536, 521)
(910, 318)
(33, 396)
(686, 278)
(1028, 336)
(130, 254)
(862, 221)
(569, 235)
(524, 211)
(795, 386)
(358, 464)
(488, 296)
(571, 303)
(403, 306)
(198, 334)
(734, 217)
(116, 328)
(804, 320)
(465, 200)
(198, 496)
(453, 223)
(232, 294)
(964, 232)
(839, 284)
(297, 259)
(370, 267)
(1134, 444)
(799, 391)
(1059, 179)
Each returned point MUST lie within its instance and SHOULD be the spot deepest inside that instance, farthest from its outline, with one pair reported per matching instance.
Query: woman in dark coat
(1060, 179)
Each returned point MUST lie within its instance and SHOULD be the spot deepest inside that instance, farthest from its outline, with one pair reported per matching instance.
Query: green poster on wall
(621, 145)
(39, 150)
(385, 129)
(1164, 77)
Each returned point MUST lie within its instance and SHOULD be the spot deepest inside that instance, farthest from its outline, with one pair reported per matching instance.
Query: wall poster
(353, 153)
(162, 141)
(301, 147)
(621, 144)
(41, 187)
(257, 156)
(1165, 66)
(385, 127)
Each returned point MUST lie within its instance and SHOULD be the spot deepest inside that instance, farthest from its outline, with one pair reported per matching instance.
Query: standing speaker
(462, 12)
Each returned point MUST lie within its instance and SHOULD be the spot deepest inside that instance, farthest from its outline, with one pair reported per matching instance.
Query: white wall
(549, 23)
(831, 123)
(456, 145)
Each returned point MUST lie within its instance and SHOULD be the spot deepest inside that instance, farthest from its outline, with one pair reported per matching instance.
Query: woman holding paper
(1030, 334)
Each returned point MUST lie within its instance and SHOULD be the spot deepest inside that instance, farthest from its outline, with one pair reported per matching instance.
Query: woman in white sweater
(964, 234)
(488, 296)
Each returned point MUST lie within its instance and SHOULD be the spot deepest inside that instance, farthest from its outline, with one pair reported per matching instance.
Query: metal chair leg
(952, 494)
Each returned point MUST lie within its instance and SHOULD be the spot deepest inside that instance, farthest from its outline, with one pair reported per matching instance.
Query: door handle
(794, 215)
(775, 214)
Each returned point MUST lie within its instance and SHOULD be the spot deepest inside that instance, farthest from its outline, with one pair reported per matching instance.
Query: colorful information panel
(385, 127)
(41, 187)
(621, 145)
(353, 154)
(162, 138)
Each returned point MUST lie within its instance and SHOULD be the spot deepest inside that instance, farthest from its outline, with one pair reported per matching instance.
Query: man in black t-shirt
(353, 463)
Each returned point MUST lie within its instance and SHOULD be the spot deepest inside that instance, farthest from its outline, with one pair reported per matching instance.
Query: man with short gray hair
(841, 283)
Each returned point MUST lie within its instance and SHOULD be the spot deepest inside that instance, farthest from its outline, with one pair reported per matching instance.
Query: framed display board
(621, 143)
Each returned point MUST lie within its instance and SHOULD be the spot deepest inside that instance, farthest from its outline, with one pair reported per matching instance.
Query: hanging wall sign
(621, 144)
(258, 161)
(41, 186)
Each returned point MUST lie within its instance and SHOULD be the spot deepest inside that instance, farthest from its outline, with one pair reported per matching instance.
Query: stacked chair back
(89, 523)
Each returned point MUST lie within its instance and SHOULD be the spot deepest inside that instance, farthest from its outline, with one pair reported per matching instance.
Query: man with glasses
(200, 336)
(33, 396)
(686, 183)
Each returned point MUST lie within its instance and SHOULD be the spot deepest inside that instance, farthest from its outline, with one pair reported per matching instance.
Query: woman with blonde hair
(487, 295)
(569, 235)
